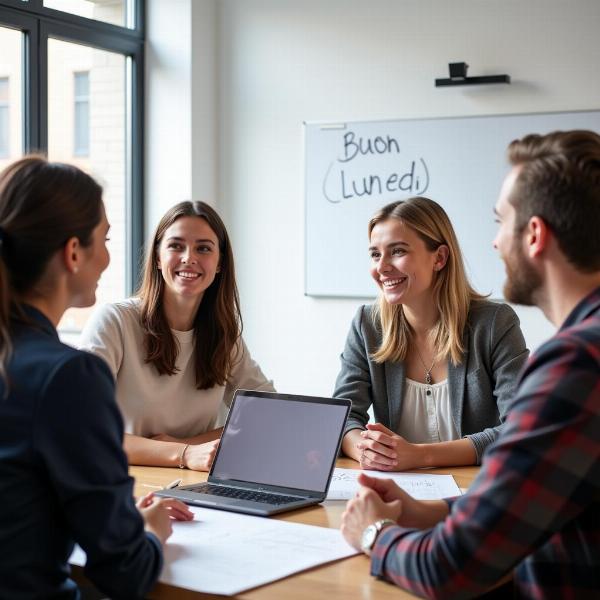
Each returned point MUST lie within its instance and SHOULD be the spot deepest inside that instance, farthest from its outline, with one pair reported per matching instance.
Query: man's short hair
(559, 181)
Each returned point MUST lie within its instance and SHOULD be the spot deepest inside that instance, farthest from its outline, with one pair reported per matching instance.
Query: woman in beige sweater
(175, 349)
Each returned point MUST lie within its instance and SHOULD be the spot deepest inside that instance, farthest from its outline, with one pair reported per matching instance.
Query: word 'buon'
(344, 180)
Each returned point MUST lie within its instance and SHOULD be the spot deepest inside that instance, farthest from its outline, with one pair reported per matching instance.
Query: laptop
(277, 453)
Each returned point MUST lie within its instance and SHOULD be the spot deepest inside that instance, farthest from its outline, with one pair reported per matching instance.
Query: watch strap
(379, 526)
(384, 523)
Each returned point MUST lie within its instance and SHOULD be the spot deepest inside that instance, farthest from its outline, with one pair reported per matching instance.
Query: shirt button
(428, 392)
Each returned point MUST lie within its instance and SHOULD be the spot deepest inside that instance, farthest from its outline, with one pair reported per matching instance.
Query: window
(76, 89)
(4, 121)
(109, 11)
(92, 136)
(81, 114)
(11, 114)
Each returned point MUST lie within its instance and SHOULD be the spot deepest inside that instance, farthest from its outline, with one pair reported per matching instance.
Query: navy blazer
(481, 387)
(64, 475)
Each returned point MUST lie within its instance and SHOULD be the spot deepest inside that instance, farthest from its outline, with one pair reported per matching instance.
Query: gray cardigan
(481, 387)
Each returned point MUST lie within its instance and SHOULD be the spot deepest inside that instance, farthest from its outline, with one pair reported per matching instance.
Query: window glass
(93, 84)
(11, 113)
(4, 122)
(117, 12)
(81, 114)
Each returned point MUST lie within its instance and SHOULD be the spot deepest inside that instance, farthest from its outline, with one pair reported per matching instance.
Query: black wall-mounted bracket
(458, 76)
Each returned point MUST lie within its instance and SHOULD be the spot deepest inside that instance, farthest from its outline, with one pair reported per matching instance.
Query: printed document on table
(422, 486)
(220, 552)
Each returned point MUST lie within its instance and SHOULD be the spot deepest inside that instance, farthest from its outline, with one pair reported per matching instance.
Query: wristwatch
(369, 535)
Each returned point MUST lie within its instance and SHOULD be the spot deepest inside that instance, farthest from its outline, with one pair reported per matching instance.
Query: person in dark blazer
(437, 362)
(63, 472)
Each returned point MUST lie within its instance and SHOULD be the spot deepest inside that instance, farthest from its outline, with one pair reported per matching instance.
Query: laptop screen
(274, 440)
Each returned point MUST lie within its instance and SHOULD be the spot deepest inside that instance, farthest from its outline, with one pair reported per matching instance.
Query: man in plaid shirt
(535, 505)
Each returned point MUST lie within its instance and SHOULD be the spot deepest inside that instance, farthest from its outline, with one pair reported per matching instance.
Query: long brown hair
(452, 291)
(218, 322)
(42, 206)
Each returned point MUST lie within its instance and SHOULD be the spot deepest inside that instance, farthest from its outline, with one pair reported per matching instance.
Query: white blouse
(426, 415)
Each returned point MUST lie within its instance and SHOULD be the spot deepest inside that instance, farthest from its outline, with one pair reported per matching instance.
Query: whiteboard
(353, 169)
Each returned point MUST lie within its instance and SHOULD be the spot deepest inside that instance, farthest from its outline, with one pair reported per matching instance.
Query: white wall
(181, 92)
(281, 62)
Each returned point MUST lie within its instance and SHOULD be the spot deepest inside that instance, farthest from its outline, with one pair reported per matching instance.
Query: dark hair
(559, 181)
(42, 206)
(218, 322)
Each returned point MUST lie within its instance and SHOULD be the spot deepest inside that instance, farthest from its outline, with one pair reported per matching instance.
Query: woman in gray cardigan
(437, 362)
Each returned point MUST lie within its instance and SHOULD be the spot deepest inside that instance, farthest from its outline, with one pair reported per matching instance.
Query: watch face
(368, 538)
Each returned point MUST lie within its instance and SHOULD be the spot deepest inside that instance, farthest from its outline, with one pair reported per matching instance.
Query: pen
(169, 486)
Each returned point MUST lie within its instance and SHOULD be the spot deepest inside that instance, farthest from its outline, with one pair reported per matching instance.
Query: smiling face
(401, 264)
(95, 260)
(188, 257)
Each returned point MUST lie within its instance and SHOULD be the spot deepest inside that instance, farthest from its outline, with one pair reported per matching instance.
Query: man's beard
(522, 280)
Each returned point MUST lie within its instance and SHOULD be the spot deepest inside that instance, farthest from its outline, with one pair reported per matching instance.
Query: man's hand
(383, 499)
(364, 509)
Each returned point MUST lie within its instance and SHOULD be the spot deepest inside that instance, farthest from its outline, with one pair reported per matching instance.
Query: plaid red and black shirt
(535, 505)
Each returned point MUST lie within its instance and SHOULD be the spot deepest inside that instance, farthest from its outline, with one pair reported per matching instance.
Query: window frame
(38, 24)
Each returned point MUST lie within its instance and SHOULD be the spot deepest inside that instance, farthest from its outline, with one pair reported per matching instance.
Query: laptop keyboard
(231, 492)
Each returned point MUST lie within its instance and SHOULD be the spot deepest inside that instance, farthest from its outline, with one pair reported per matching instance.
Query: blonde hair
(452, 291)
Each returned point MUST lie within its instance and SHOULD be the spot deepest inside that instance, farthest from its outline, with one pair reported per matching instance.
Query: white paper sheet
(226, 553)
(422, 486)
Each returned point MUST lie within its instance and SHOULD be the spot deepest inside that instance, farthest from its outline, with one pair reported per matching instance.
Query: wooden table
(341, 580)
